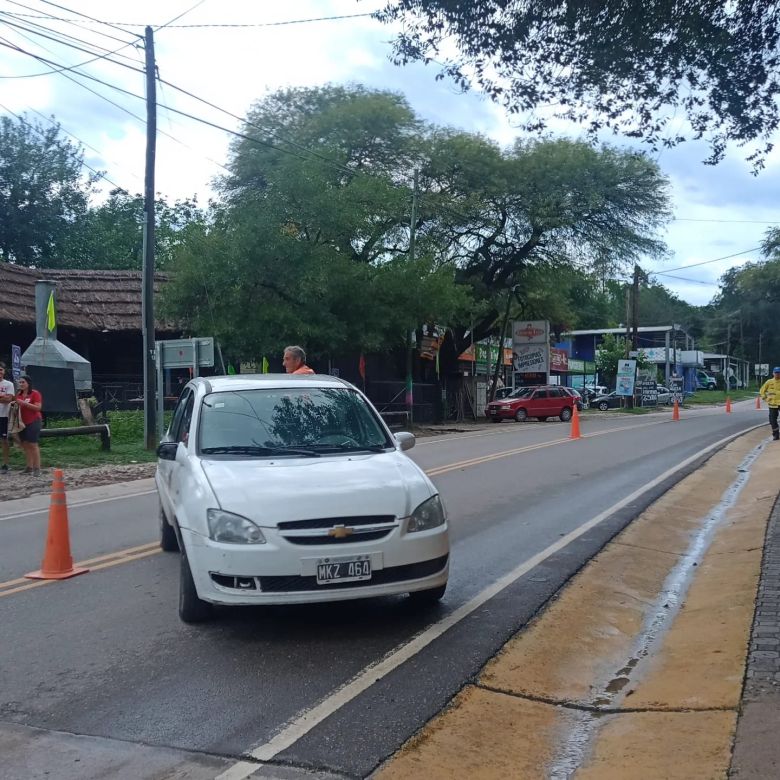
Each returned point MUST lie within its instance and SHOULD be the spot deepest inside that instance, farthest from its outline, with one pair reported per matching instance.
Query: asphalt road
(105, 655)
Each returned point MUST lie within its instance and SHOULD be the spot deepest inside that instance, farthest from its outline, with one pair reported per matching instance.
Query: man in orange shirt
(294, 361)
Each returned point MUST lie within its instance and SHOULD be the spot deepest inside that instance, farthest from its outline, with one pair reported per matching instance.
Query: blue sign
(16, 362)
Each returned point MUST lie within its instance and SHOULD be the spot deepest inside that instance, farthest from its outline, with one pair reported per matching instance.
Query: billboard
(531, 358)
(531, 346)
(626, 374)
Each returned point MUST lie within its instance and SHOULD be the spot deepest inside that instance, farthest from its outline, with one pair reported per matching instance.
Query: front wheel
(191, 608)
(565, 414)
(168, 540)
(424, 598)
(521, 415)
(603, 406)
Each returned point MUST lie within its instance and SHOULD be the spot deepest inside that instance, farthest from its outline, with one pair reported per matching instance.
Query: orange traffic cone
(728, 405)
(676, 410)
(57, 561)
(758, 402)
(575, 423)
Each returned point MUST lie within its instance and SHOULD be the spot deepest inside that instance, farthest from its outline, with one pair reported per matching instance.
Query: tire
(565, 414)
(191, 608)
(427, 598)
(603, 406)
(168, 540)
(521, 415)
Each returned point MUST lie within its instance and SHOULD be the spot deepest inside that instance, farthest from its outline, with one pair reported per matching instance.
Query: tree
(310, 239)
(42, 191)
(611, 351)
(110, 234)
(521, 216)
(626, 65)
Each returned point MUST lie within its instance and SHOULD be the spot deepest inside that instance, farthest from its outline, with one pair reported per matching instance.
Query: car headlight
(227, 527)
(428, 515)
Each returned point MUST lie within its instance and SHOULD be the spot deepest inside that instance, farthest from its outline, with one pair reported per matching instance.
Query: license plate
(343, 569)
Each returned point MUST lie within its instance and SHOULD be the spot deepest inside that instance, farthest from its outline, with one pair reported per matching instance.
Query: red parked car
(541, 401)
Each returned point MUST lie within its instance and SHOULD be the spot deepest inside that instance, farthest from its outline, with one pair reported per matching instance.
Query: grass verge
(127, 444)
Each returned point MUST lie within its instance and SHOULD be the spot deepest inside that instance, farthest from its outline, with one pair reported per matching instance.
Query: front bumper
(281, 573)
(500, 413)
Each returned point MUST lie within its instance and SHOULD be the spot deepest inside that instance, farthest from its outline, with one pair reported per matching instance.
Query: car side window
(186, 418)
(540, 394)
(556, 392)
(178, 414)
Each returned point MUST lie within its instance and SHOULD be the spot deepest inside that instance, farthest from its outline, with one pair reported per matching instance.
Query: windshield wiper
(350, 447)
(245, 449)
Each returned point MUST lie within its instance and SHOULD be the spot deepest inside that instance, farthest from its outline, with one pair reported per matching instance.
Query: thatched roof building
(99, 301)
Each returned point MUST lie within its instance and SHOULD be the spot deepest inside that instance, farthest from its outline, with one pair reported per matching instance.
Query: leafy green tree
(613, 349)
(110, 234)
(544, 205)
(42, 191)
(625, 65)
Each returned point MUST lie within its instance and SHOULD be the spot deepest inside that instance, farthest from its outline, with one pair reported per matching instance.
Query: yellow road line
(130, 554)
(438, 470)
(29, 585)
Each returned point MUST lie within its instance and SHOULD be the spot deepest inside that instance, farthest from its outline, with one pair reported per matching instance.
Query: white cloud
(233, 67)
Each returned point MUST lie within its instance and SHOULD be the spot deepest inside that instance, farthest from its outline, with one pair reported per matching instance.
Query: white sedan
(282, 489)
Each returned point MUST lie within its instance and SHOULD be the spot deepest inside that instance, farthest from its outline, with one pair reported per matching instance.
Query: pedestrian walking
(30, 403)
(294, 361)
(770, 392)
(6, 396)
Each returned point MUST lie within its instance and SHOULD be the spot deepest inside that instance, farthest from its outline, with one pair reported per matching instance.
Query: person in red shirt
(30, 403)
(294, 361)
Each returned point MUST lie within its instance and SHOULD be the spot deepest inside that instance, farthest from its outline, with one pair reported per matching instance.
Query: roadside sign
(626, 374)
(181, 353)
(761, 369)
(16, 362)
(676, 388)
(647, 391)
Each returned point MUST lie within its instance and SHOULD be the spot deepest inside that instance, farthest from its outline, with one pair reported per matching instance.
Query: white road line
(77, 504)
(301, 725)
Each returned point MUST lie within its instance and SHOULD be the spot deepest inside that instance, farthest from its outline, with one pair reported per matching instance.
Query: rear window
(336, 419)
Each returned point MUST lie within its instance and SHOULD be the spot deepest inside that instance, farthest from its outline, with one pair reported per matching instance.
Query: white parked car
(283, 489)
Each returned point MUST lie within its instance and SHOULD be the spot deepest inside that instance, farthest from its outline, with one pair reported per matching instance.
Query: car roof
(221, 384)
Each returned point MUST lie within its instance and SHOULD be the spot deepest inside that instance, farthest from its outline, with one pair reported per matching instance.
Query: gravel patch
(17, 484)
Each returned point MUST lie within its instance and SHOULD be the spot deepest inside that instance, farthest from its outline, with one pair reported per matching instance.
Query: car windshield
(522, 392)
(306, 421)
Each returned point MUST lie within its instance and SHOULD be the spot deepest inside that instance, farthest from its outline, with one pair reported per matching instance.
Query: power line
(716, 260)
(91, 18)
(728, 221)
(72, 22)
(237, 25)
(66, 43)
(70, 154)
(183, 13)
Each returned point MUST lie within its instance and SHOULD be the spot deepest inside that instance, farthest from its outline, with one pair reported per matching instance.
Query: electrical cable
(70, 154)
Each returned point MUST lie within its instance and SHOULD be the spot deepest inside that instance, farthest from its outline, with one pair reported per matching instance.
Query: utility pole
(635, 308)
(409, 348)
(728, 357)
(147, 286)
(760, 372)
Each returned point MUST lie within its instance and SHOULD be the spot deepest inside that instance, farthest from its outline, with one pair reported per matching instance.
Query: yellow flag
(265, 364)
(51, 318)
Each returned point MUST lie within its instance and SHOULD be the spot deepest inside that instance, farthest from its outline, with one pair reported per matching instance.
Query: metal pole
(147, 287)
(410, 345)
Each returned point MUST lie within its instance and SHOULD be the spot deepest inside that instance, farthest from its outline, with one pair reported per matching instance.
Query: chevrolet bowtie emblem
(340, 531)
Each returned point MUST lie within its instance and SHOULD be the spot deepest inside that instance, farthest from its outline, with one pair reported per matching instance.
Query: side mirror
(167, 450)
(405, 440)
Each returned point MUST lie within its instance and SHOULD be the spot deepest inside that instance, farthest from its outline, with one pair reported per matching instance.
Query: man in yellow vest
(770, 392)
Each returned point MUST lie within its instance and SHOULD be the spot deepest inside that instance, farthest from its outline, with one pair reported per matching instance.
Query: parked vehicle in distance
(541, 401)
(609, 401)
(503, 392)
(282, 489)
(665, 396)
(705, 381)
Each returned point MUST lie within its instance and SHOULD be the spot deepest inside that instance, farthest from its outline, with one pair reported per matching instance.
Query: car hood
(270, 491)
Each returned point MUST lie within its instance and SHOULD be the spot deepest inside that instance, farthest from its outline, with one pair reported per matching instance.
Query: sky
(719, 211)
